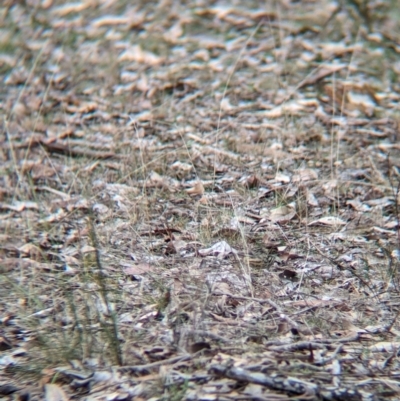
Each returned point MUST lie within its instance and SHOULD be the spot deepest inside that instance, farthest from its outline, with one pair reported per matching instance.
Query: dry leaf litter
(199, 200)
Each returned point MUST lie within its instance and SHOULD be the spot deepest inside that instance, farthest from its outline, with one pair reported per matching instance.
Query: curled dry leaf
(181, 169)
(356, 204)
(322, 73)
(362, 102)
(306, 174)
(41, 171)
(138, 55)
(144, 116)
(282, 214)
(336, 49)
(7, 60)
(220, 249)
(280, 177)
(226, 105)
(20, 206)
(289, 109)
(251, 181)
(70, 8)
(31, 250)
(312, 200)
(280, 211)
(110, 20)
(197, 189)
(88, 249)
(140, 269)
(54, 393)
(395, 254)
(385, 346)
(58, 216)
(156, 180)
(9, 264)
(100, 208)
(174, 33)
(199, 346)
(330, 187)
(328, 221)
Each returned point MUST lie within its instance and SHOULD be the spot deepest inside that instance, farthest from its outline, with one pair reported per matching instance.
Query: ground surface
(199, 201)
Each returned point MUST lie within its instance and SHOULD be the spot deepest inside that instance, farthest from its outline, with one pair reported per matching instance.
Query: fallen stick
(307, 390)
(55, 147)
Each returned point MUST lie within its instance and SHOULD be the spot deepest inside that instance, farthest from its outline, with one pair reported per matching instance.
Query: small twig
(307, 390)
(149, 366)
(331, 358)
(259, 300)
(287, 319)
(53, 191)
(341, 267)
(55, 147)
(396, 193)
(61, 148)
(388, 327)
(299, 346)
(209, 334)
(113, 336)
(315, 344)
